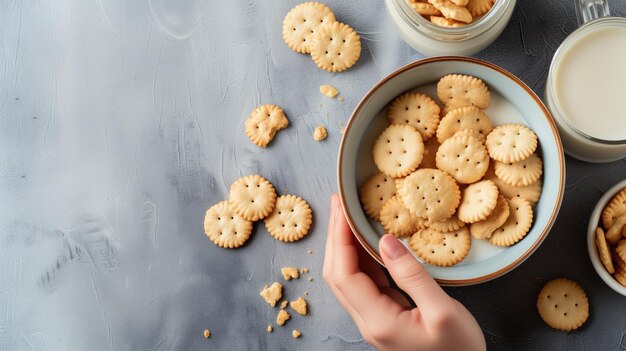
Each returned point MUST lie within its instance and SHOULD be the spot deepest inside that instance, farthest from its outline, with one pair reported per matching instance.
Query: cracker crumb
(329, 91)
(342, 130)
(310, 279)
(296, 333)
(273, 293)
(284, 304)
(299, 306)
(320, 133)
(282, 317)
(290, 272)
(341, 98)
(304, 270)
(309, 251)
(207, 333)
(306, 293)
(270, 328)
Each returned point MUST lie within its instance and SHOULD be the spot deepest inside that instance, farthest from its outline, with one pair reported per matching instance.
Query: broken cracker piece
(290, 273)
(272, 293)
(270, 328)
(299, 306)
(282, 317)
(296, 333)
(304, 270)
(207, 333)
(329, 91)
(320, 133)
(284, 304)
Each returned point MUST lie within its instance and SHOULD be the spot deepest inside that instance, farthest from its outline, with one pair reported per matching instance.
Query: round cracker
(425, 9)
(620, 250)
(614, 233)
(398, 220)
(479, 7)
(225, 228)
(484, 229)
(462, 118)
(473, 133)
(431, 193)
(465, 158)
(302, 22)
(374, 192)
(398, 150)
(462, 90)
(451, 10)
(562, 304)
(252, 197)
(615, 208)
(511, 143)
(441, 249)
(291, 219)
(264, 122)
(531, 192)
(603, 251)
(522, 173)
(417, 110)
(517, 224)
(447, 225)
(478, 201)
(335, 47)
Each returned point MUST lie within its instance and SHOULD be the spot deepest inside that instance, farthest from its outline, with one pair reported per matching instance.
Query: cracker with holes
(225, 228)
(398, 220)
(465, 158)
(511, 143)
(335, 47)
(374, 192)
(562, 304)
(441, 249)
(603, 251)
(485, 228)
(417, 110)
(456, 91)
(464, 118)
(431, 193)
(473, 133)
(271, 294)
(517, 224)
(531, 192)
(263, 124)
(522, 173)
(447, 225)
(615, 208)
(452, 11)
(302, 22)
(252, 197)
(478, 201)
(291, 219)
(398, 150)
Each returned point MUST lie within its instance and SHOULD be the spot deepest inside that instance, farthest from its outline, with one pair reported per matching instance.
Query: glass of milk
(586, 86)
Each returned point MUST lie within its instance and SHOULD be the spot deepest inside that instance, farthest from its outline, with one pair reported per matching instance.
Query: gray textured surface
(121, 121)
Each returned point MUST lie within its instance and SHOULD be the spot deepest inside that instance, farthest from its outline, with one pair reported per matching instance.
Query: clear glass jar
(584, 89)
(433, 40)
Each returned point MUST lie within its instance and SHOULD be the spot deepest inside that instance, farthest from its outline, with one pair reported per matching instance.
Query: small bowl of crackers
(460, 160)
(606, 237)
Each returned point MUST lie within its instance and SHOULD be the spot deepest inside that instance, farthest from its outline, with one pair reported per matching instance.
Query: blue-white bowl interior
(356, 163)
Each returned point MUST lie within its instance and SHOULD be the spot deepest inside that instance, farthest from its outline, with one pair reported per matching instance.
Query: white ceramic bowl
(594, 222)
(512, 101)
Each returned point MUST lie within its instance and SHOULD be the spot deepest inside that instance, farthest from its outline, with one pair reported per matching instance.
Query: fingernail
(392, 247)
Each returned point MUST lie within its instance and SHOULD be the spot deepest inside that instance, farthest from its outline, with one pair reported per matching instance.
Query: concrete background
(122, 121)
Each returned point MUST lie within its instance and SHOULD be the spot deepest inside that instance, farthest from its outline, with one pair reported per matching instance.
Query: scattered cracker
(374, 192)
(603, 251)
(270, 328)
(310, 279)
(563, 304)
(473, 133)
(430, 153)
(445, 22)
(417, 110)
(431, 193)
(517, 224)
(225, 228)
(522, 173)
(335, 47)
(284, 304)
(615, 208)
(511, 143)
(485, 228)
(303, 22)
(465, 158)
(252, 197)
(398, 150)
(329, 91)
(479, 7)
(299, 305)
(320, 133)
(309, 251)
(461, 90)
(304, 270)
(478, 201)
(452, 11)
(207, 333)
(459, 119)
(296, 333)
(397, 219)
(306, 293)
(263, 124)
(273, 293)
(448, 225)
(532, 192)
(290, 273)
(291, 219)
(441, 249)
(614, 234)
(282, 317)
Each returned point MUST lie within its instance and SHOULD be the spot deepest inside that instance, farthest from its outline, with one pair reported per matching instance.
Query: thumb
(411, 276)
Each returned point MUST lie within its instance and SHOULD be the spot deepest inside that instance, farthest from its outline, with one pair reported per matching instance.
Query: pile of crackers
(444, 180)
(452, 13)
(611, 241)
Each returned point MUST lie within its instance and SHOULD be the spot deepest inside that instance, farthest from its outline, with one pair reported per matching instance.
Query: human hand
(439, 322)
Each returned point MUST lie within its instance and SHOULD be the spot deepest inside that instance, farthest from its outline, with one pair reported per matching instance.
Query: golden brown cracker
(291, 219)
(562, 304)
(431, 193)
(225, 228)
(398, 150)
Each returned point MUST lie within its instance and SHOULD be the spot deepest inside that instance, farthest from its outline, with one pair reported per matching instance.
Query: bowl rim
(594, 222)
(549, 119)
